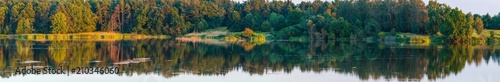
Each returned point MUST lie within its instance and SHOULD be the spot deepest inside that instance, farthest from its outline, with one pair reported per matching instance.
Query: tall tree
(140, 20)
(42, 15)
(3, 14)
(486, 21)
(202, 24)
(340, 28)
(455, 27)
(234, 19)
(372, 27)
(294, 17)
(478, 25)
(266, 26)
(15, 15)
(494, 23)
(277, 21)
(103, 8)
(436, 14)
(115, 22)
(81, 18)
(26, 20)
(249, 21)
(470, 19)
(59, 25)
(418, 16)
(177, 23)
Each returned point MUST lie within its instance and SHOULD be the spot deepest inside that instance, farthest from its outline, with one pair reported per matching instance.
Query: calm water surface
(173, 61)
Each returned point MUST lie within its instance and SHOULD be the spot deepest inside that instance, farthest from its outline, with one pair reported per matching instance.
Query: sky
(475, 6)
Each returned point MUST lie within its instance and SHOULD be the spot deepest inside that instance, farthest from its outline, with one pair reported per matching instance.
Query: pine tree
(115, 22)
(43, 13)
(103, 13)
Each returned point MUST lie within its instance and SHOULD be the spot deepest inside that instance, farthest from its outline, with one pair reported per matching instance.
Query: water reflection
(170, 58)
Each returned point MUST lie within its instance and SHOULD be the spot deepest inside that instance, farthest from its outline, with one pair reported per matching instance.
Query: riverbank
(87, 36)
(222, 36)
(486, 37)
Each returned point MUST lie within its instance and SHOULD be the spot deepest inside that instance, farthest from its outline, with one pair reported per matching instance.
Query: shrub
(492, 34)
(231, 39)
(259, 38)
(247, 32)
(287, 32)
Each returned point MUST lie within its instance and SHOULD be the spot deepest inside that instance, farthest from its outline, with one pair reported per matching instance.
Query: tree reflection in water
(170, 58)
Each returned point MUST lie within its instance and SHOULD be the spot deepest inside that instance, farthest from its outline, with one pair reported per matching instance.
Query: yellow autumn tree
(247, 32)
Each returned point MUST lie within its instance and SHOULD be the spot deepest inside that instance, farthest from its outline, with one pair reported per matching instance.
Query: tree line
(316, 19)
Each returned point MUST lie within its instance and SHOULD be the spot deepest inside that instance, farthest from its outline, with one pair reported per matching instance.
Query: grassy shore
(485, 37)
(88, 36)
(221, 36)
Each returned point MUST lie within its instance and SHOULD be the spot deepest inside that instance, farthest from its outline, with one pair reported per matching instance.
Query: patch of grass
(217, 29)
(209, 33)
(486, 33)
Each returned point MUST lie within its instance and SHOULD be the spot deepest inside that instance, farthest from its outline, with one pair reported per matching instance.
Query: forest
(318, 20)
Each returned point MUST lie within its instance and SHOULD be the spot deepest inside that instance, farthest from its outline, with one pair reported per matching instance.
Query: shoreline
(82, 37)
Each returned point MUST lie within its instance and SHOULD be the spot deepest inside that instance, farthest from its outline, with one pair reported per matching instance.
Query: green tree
(494, 23)
(372, 27)
(436, 14)
(294, 17)
(418, 16)
(103, 13)
(288, 32)
(177, 23)
(249, 21)
(81, 18)
(234, 19)
(478, 25)
(25, 26)
(470, 20)
(203, 24)
(140, 20)
(59, 25)
(157, 23)
(455, 27)
(26, 20)
(340, 27)
(486, 21)
(266, 26)
(43, 12)
(277, 21)
(15, 16)
(3, 14)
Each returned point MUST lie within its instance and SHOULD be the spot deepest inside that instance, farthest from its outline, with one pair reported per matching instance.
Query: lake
(174, 61)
